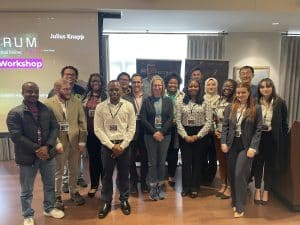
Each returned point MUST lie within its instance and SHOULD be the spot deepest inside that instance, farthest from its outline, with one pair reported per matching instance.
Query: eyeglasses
(124, 80)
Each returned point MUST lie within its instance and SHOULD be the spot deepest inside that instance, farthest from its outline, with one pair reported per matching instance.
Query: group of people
(148, 121)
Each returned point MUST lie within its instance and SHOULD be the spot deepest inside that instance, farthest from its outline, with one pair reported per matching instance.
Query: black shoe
(125, 207)
(104, 210)
(81, 182)
(144, 187)
(171, 183)
(257, 202)
(219, 194)
(184, 193)
(77, 198)
(92, 192)
(263, 202)
(65, 188)
(223, 196)
(59, 204)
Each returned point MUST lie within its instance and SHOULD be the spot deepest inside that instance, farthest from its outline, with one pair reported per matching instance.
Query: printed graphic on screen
(162, 67)
(36, 46)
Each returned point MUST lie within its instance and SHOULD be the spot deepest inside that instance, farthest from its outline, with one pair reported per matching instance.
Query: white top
(220, 113)
(193, 114)
(115, 122)
(138, 101)
(239, 117)
(267, 114)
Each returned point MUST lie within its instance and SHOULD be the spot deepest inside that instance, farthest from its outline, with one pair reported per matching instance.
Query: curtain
(289, 85)
(7, 150)
(206, 47)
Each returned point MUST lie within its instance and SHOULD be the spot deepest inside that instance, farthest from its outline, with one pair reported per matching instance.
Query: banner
(163, 67)
(217, 69)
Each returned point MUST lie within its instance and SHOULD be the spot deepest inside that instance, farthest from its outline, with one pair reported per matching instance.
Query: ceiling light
(275, 23)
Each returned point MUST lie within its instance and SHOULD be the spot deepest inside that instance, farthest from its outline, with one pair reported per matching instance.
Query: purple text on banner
(21, 63)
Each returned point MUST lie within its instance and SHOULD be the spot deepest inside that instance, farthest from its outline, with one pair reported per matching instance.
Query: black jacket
(23, 129)
(148, 116)
(251, 130)
(279, 131)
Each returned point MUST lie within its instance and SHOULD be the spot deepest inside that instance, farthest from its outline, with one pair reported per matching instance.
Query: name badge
(64, 126)
(113, 127)
(191, 122)
(237, 133)
(91, 113)
(157, 120)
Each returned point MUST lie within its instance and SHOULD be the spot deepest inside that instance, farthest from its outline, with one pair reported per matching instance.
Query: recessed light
(275, 23)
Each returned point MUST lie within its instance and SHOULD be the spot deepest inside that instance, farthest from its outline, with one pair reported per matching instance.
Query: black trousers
(209, 166)
(138, 153)
(192, 155)
(172, 155)
(109, 163)
(95, 164)
(239, 171)
(264, 161)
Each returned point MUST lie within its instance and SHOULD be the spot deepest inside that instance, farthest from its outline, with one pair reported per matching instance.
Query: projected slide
(35, 46)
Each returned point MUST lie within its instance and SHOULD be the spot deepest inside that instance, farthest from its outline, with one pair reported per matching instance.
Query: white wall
(254, 49)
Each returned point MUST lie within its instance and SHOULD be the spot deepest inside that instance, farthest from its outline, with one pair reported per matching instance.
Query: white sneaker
(55, 213)
(28, 221)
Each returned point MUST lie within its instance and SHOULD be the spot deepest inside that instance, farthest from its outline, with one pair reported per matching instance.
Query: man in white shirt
(114, 125)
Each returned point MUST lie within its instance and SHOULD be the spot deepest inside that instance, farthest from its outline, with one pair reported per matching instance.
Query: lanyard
(242, 111)
(113, 116)
(192, 108)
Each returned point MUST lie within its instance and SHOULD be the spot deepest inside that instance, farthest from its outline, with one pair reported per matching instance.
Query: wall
(255, 49)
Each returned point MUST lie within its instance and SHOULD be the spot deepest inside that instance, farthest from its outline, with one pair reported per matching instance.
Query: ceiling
(183, 21)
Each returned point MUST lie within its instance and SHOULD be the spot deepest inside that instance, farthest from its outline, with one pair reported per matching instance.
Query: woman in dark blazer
(157, 119)
(272, 144)
(240, 139)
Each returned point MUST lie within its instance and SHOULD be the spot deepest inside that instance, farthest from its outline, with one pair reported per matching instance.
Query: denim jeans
(27, 177)
(157, 154)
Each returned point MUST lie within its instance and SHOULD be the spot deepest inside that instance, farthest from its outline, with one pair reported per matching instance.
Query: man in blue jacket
(33, 129)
